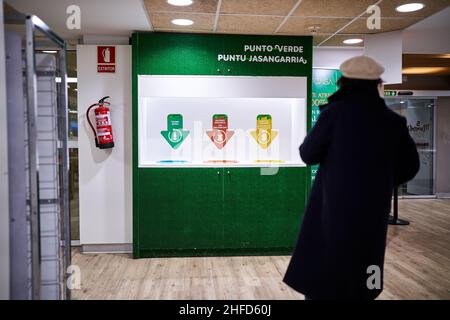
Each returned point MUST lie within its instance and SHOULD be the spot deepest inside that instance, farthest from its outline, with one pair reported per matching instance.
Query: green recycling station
(217, 122)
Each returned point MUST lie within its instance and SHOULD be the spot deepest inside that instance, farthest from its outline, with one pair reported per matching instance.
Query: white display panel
(161, 131)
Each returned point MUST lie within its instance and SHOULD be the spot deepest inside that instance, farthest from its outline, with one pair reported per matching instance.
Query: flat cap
(361, 67)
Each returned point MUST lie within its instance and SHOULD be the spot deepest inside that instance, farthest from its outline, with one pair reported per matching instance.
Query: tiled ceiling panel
(332, 8)
(386, 24)
(431, 6)
(258, 7)
(287, 17)
(201, 6)
(299, 25)
(318, 39)
(248, 24)
(162, 21)
(337, 41)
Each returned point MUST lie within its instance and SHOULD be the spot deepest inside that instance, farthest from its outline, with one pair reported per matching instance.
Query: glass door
(72, 104)
(419, 113)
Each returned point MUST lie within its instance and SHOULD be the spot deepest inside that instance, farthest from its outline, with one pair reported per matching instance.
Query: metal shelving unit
(43, 222)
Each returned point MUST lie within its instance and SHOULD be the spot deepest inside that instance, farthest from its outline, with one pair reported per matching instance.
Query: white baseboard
(443, 195)
(75, 243)
(107, 248)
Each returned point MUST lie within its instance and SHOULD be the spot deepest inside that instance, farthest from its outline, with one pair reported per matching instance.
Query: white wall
(105, 175)
(105, 17)
(429, 36)
(101, 39)
(386, 48)
(332, 57)
(4, 209)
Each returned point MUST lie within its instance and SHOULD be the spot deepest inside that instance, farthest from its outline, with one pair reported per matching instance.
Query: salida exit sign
(390, 93)
(106, 59)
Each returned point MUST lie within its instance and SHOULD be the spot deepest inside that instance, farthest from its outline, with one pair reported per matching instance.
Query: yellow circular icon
(264, 137)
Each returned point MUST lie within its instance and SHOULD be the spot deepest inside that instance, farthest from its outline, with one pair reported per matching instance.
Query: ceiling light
(410, 7)
(182, 22)
(424, 70)
(49, 51)
(442, 56)
(180, 2)
(352, 41)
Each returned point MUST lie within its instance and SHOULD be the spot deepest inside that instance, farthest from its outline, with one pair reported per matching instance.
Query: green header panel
(207, 54)
(217, 211)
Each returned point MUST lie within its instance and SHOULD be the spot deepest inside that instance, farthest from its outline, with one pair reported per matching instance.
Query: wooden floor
(417, 267)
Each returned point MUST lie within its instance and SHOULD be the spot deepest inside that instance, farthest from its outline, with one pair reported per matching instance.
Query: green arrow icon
(175, 134)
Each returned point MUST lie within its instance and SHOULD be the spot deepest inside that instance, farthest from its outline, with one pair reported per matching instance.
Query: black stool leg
(393, 219)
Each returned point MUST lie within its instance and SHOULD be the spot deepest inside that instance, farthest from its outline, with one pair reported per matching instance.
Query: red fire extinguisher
(103, 135)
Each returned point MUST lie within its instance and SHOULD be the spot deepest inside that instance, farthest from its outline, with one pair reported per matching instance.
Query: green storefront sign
(324, 84)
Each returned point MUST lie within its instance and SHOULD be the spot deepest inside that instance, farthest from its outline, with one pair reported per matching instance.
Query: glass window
(74, 195)
(71, 57)
(419, 114)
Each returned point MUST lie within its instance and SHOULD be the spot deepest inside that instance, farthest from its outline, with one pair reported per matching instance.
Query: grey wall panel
(4, 203)
(19, 224)
(443, 146)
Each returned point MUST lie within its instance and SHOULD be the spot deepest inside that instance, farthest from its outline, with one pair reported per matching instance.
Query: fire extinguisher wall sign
(106, 59)
(103, 131)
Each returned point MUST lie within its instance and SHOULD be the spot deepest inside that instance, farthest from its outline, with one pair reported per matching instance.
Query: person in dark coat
(364, 149)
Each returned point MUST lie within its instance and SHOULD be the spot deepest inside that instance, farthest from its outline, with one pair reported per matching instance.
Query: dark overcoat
(363, 149)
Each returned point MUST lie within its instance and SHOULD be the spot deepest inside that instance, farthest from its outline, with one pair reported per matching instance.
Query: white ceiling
(438, 21)
(101, 17)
